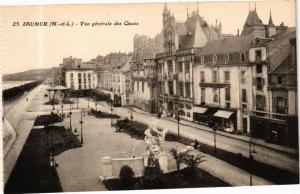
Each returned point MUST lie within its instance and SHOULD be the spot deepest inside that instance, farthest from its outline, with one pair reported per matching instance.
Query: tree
(126, 177)
(192, 161)
(178, 156)
(152, 173)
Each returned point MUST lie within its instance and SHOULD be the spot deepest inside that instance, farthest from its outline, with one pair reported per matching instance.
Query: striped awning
(223, 114)
(197, 109)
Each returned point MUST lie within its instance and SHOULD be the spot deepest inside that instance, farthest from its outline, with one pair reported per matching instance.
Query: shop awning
(223, 114)
(197, 109)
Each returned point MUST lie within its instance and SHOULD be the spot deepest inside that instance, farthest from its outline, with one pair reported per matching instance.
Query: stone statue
(154, 138)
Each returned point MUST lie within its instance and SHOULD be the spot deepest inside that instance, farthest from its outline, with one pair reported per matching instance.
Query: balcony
(213, 85)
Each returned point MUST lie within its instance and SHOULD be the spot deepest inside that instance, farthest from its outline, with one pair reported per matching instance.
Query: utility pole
(111, 113)
(70, 114)
(77, 100)
(251, 151)
(81, 122)
(178, 120)
(89, 98)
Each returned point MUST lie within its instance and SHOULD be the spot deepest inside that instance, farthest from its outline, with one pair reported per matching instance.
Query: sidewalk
(244, 138)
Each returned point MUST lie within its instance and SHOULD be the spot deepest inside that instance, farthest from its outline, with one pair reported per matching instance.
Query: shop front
(226, 120)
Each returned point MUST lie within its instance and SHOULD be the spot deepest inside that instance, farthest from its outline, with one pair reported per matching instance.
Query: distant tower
(197, 8)
(166, 13)
(271, 29)
(187, 11)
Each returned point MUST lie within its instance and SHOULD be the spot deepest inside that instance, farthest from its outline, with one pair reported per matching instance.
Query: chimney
(238, 33)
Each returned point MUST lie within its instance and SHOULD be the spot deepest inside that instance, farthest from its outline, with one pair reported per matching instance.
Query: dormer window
(214, 59)
(242, 57)
(202, 60)
(226, 58)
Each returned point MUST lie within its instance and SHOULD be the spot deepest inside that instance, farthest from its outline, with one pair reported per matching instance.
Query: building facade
(78, 79)
(144, 81)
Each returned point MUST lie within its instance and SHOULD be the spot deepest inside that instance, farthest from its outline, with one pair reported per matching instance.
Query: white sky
(36, 47)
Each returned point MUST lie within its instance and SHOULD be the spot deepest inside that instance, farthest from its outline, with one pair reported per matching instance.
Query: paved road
(264, 154)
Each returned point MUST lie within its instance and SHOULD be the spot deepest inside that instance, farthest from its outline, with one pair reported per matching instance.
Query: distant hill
(34, 74)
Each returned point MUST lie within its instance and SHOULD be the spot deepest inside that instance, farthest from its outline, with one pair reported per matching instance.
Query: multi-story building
(116, 81)
(276, 119)
(144, 81)
(80, 79)
(175, 64)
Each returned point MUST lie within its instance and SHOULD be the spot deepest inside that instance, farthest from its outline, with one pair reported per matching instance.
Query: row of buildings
(246, 82)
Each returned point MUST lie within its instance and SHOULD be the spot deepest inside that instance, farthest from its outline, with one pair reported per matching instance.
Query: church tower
(271, 29)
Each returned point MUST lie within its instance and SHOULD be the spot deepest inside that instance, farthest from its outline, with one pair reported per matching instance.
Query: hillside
(34, 74)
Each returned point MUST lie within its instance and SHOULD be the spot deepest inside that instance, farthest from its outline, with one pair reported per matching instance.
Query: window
(202, 95)
(258, 55)
(142, 86)
(215, 59)
(171, 90)
(215, 76)
(187, 90)
(259, 83)
(279, 80)
(244, 95)
(226, 58)
(280, 104)
(138, 86)
(79, 78)
(188, 114)
(226, 76)
(258, 68)
(242, 57)
(187, 68)
(260, 102)
(215, 95)
(202, 76)
(227, 94)
(180, 89)
(202, 60)
(243, 77)
(227, 104)
(244, 107)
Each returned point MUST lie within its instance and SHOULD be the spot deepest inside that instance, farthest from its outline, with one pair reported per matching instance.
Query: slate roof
(227, 45)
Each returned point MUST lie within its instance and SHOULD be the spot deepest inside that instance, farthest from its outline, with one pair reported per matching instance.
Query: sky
(30, 47)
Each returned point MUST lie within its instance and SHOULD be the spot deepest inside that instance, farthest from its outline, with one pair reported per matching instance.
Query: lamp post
(178, 120)
(89, 98)
(81, 122)
(251, 151)
(77, 100)
(70, 114)
(111, 110)
(96, 104)
(214, 128)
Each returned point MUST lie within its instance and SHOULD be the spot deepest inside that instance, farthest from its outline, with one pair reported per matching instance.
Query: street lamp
(70, 114)
(89, 98)
(81, 122)
(111, 109)
(96, 104)
(178, 120)
(215, 128)
(77, 100)
(251, 151)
